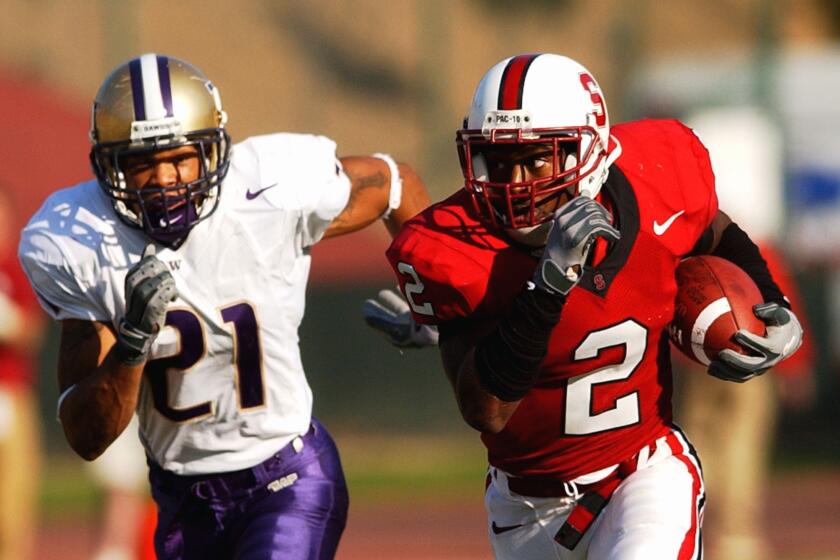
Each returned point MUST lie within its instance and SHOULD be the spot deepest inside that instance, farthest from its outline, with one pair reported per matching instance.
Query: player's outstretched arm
(379, 188)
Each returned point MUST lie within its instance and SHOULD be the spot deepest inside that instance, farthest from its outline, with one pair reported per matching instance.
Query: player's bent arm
(377, 192)
(723, 238)
(784, 333)
(479, 408)
(102, 390)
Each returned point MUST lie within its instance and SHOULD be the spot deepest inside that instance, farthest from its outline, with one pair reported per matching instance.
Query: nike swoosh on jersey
(659, 229)
(499, 530)
(252, 195)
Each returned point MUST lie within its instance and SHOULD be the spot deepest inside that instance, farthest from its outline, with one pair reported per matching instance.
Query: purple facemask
(170, 227)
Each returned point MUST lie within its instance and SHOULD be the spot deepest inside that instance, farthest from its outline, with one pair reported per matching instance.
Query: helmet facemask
(546, 101)
(574, 153)
(165, 213)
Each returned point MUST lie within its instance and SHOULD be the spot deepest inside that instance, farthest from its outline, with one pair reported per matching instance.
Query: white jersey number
(415, 287)
(247, 360)
(579, 417)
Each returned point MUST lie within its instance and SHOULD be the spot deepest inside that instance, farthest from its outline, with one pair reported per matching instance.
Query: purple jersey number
(247, 360)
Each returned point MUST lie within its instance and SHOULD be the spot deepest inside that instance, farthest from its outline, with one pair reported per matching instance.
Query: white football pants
(655, 514)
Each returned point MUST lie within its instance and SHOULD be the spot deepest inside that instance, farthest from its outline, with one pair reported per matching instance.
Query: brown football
(715, 298)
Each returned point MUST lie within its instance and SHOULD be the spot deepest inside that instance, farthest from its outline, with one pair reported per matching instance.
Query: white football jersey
(224, 387)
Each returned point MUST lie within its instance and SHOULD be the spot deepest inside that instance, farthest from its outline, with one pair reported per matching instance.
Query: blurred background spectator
(362, 70)
(20, 428)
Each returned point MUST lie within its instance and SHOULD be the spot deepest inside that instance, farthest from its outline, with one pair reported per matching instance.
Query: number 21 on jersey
(247, 360)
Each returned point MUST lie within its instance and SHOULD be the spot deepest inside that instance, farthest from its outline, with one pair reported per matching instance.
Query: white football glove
(784, 337)
(390, 315)
(574, 228)
(149, 287)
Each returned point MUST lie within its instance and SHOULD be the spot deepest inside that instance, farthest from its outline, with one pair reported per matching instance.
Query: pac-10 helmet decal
(541, 100)
(156, 102)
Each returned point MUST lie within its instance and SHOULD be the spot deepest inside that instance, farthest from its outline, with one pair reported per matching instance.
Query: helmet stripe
(136, 74)
(165, 85)
(151, 88)
(513, 81)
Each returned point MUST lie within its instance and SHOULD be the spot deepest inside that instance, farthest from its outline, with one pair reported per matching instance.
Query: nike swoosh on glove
(390, 315)
(784, 337)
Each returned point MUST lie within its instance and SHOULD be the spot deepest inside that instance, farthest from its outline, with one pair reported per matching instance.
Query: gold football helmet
(156, 102)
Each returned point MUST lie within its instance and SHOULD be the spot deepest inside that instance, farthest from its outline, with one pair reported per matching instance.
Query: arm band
(395, 194)
(508, 360)
(736, 246)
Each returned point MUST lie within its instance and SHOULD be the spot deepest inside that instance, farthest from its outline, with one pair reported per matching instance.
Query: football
(715, 298)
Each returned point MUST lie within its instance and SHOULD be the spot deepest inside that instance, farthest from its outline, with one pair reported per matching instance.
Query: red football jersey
(605, 385)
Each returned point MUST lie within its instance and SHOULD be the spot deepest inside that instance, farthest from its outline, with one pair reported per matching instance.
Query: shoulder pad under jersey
(450, 266)
(671, 175)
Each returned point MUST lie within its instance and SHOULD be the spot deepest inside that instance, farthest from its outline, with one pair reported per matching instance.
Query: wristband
(395, 193)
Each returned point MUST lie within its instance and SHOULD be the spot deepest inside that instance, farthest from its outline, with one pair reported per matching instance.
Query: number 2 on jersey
(414, 288)
(247, 360)
(579, 417)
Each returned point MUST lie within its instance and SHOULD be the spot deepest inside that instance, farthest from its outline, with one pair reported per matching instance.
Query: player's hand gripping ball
(715, 299)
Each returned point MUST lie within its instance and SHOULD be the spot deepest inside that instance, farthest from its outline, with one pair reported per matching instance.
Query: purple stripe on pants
(236, 516)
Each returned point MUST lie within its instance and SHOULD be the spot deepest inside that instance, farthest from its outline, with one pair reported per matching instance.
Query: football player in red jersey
(550, 279)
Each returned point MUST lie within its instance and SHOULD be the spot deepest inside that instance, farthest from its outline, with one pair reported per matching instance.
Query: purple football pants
(292, 506)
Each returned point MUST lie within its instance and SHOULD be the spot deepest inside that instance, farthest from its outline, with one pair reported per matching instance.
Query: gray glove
(574, 228)
(149, 287)
(391, 316)
(784, 337)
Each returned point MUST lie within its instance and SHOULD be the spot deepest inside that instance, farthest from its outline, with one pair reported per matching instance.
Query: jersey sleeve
(428, 277)
(65, 287)
(302, 174)
(425, 275)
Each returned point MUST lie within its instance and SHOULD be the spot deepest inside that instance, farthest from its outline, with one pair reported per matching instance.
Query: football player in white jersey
(178, 278)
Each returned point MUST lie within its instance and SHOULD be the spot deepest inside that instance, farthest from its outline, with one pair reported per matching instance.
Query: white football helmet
(156, 102)
(544, 99)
